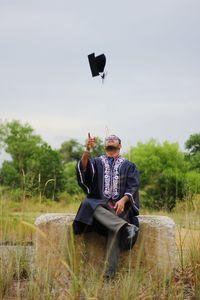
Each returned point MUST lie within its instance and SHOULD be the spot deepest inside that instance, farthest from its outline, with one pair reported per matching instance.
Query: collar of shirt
(110, 161)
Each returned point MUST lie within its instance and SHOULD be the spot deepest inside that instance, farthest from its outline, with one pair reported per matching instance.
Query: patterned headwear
(112, 140)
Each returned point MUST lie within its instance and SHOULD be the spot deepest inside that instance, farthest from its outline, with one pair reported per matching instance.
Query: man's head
(112, 145)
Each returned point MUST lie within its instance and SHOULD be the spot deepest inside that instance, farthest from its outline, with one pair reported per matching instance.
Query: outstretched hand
(90, 142)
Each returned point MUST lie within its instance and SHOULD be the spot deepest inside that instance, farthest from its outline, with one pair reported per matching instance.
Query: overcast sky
(153, 84)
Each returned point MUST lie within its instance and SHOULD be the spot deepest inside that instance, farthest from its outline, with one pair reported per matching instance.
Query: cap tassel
(103, 76)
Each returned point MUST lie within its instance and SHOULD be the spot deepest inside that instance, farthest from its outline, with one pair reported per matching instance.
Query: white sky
(153, 84)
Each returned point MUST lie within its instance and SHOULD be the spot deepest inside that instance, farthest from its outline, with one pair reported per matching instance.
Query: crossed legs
(113, 223)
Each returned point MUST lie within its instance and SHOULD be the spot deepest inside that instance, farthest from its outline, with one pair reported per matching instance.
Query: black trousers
(113, 223)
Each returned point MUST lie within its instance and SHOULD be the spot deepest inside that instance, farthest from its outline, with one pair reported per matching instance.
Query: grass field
(18, 280)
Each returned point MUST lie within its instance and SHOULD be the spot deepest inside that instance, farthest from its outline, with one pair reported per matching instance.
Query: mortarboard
(97, 64)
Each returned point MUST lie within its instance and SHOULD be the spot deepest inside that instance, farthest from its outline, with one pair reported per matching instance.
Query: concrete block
(155, 248)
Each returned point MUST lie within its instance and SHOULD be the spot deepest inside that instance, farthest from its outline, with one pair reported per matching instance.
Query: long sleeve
(85, 179)
(132, 186)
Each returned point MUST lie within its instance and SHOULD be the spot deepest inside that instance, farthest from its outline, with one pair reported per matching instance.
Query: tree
(71, 185)
(46, 172)
(72, 150)
(37, 165)
(9, 175)
(162, 169)
(192, 184)
(193, 143)
(98, 148)
(20, 142)
(2, 134)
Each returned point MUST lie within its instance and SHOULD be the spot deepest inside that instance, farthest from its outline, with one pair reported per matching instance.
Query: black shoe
(127, 240)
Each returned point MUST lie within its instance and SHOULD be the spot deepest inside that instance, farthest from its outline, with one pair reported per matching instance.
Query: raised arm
(90, 142)
(85, 167)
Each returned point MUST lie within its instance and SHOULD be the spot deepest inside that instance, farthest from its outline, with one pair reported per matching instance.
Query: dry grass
(20, 280)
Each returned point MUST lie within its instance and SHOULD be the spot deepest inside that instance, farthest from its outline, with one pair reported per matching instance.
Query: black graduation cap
(97, 64)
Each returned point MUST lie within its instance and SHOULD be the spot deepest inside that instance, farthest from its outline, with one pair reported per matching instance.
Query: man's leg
(113, 223)
(108, 219)
(112, 254)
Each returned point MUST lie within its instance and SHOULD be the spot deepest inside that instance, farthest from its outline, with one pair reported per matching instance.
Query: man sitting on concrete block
(112, 202)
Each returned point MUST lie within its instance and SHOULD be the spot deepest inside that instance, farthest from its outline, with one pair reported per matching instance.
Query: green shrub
(71, 185)
(9, 175)
(192, 183)
(162, 168)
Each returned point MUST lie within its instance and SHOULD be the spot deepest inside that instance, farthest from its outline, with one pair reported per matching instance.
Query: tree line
(37, 170)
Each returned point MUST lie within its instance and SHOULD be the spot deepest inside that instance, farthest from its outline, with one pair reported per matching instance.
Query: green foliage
(98, 149)
(71, 150)
(2, 134)
(71, 185)
(194, 161)
(35, 167)
(9, 175)
(193, 143)
(14, 194)
(192, 184)
(20, 142)
(162, 169)
(46, 172)
(166, 174)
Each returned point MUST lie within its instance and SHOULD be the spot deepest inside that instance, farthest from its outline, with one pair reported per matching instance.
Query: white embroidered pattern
(111, 177)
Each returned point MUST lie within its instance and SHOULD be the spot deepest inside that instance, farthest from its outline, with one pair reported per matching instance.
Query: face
(112, 147)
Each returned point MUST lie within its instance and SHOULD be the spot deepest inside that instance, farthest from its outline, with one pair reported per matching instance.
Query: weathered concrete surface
(155, 247)
(17, 255)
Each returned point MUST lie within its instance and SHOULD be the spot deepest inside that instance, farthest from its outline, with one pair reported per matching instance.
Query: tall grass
(12, 230)
(67, 277)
